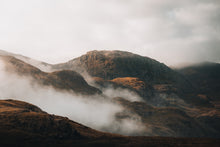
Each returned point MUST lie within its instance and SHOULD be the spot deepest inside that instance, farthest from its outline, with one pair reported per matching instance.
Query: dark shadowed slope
(171, 121)
(23, 124)
(63, 80)
(206, 79)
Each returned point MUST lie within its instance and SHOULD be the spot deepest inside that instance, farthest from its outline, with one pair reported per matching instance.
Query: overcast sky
(171, 31)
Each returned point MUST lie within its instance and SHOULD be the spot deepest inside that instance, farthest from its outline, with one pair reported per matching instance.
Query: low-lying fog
(95, 112)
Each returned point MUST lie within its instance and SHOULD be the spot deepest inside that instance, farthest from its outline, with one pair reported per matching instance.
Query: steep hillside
(171, 121)
(26, 118)
(23, 124)
(113, 64)
(63, 80)
(206, 79)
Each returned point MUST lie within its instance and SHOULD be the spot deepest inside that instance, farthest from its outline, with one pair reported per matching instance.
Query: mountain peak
(113, 64)
(111, 53)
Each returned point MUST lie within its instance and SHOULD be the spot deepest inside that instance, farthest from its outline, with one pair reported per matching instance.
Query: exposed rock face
(62, 80)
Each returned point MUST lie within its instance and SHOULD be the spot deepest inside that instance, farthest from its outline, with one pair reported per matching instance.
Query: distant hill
(41, 65)
(205, 77)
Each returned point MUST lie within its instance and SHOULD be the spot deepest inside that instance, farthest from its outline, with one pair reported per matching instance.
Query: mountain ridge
(39, 64)
(165, 95)
(62, 80)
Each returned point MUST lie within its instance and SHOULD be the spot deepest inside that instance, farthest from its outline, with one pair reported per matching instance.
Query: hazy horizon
(170, 31)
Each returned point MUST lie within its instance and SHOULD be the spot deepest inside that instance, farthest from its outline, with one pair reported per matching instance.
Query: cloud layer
(95, 112)
(170, 31)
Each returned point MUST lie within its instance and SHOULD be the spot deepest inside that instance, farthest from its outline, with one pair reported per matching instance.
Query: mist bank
(94, 111)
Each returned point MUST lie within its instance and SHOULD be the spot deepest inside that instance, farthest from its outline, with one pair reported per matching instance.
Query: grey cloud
(56, 31)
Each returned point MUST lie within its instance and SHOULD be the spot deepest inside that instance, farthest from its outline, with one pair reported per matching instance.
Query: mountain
(116, 67)
(41, 65)
(174, 101)
(113, 64)
(23, 124)
(184, 110)
(61, 80)
(205, 77)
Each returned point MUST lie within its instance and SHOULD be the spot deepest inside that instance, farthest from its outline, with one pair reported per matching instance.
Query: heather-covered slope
(23, 124)
(18, 116)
